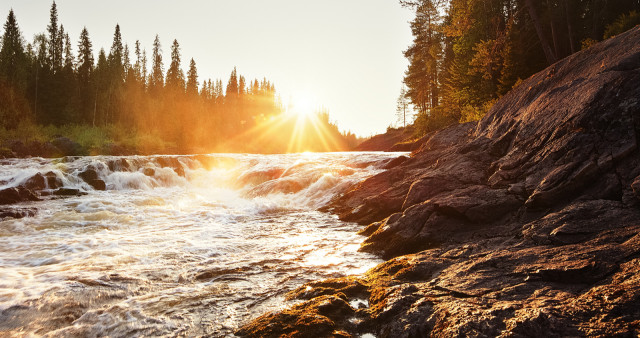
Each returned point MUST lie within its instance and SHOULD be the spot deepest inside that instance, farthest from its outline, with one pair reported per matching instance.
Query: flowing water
(175, 245)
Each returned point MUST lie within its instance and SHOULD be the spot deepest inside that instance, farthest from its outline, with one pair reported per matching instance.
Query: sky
(345, 55)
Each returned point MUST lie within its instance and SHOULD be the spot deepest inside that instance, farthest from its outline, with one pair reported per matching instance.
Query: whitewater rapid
(174, 245)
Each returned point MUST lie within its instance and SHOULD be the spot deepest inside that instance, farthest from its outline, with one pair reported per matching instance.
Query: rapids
(175, 245)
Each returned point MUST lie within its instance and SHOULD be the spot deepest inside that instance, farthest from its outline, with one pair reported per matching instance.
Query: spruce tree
(137, 68)
(143, 74)
(101, 88)
(85, 58)
(241, 86)
(60, 48)
(116, 55)
(12, 55)
(175, 76)
(232, 85)
(53, 49)
(156, 81)
(68, 54)
(126, 61)
(84, 75)
(192, 79)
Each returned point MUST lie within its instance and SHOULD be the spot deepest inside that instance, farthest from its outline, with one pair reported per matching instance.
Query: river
(175, 245)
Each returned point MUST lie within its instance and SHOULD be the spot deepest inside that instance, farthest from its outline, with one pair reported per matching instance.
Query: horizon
(358, 85)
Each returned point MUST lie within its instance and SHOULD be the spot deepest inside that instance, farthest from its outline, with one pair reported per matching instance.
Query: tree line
(467, 53)
(44, 82)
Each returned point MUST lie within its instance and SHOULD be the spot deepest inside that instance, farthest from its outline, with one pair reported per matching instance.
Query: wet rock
(259, 176)
(395, 162)
(16, 195)
(522, 224)
(120, 164)
(349, 286)
(98, 184)
(149, 171)
(323, 316)
(17, 213)
(90, 175)
(41, 181)
(171, 162)
(69, 192)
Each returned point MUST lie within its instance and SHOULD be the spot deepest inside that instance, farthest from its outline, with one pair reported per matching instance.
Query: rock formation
(526, 223)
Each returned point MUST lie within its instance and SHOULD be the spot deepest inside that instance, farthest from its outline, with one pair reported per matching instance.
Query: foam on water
(175, 245)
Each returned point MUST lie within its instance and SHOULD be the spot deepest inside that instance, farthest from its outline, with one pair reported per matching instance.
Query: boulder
(17, 213)
(69, 192)
(171, 162)
(16, 195)
(41, 181)
(524, 223)
(120, 164)
(98, 184)
(90, 175)
(149, 171)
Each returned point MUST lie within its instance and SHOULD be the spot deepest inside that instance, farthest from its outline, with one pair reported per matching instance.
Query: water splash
(174, 245)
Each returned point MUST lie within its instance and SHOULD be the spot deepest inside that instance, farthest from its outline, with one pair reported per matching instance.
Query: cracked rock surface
(526, 223)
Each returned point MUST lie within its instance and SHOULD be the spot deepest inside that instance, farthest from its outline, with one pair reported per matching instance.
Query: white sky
(343, 54)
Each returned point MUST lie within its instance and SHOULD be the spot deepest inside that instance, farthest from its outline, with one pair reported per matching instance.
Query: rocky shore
(526, 223)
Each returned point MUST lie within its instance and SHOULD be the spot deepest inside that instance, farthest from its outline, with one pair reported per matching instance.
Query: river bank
(522, 224)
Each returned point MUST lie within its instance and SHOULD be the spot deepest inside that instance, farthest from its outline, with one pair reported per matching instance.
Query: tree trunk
(548, 53)
(554, 38)
(572, 43)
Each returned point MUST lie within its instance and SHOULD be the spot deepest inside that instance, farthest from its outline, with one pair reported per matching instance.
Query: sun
(303, 105)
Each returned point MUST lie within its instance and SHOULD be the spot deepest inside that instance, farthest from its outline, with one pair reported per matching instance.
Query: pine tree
(84, 75)
(137, 68)
(241, 86)
(232, 85)
(12, 55)
(85, 58)
(13, 73)
(101, 87)
(219, 90)
(175, 76)
(116, 55)
(156, 81)
(60, 48)
(54, 51)
(143, 75)
(192, 79)
(126, 62)
(68, 54)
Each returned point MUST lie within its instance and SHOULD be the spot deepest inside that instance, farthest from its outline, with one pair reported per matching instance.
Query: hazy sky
(343, 54)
